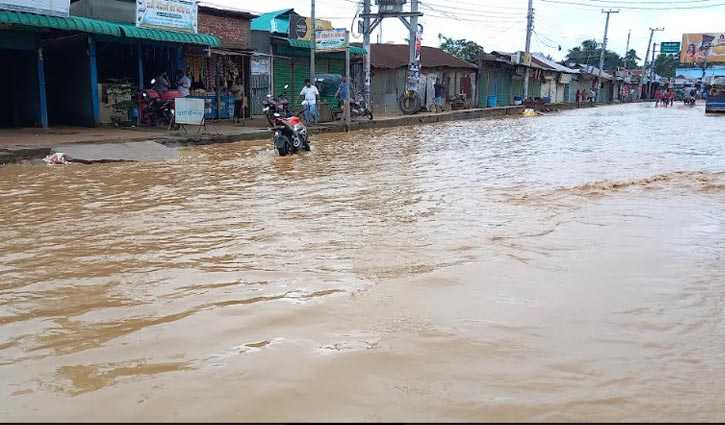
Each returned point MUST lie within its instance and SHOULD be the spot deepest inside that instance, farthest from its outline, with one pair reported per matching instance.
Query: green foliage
(665, 65)
(589, 52)
(631, 59)
(462, 49)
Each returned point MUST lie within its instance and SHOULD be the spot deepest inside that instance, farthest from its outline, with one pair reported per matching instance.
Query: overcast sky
(501, 24)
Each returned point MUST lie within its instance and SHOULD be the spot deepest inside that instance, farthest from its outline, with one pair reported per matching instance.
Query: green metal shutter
(517, 87)
(486, 86)
(503, 88)
(336, 66)
(300, 72)
(282, 75)
(534, 87)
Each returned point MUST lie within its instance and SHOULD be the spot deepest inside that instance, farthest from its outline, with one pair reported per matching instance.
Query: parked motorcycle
(277, 105)
(157, 108)
(359, 108)
(290, 135)
(689, 100)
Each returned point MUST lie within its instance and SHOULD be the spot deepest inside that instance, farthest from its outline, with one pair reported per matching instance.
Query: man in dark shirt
(438, 88)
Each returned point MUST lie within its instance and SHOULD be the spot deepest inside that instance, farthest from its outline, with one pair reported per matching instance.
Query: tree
(462, 49)
(590, 51)
(631, 59)
(665, 65)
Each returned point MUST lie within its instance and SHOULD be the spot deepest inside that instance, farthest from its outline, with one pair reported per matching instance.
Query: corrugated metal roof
(398, 55)
(271, 22)
(71, 23)
(553, 65)
(97, 26)
(133, 31)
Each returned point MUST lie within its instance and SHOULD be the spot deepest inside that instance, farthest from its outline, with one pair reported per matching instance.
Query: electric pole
(604, 49)
(387, 9)
(366, 58)
(313, 40)
(529, 29)
(644, 65)
(651, 70)
(413, 29)
(626, 51)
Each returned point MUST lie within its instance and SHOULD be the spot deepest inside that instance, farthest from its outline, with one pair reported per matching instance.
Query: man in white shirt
(183, 84)
(311, 95)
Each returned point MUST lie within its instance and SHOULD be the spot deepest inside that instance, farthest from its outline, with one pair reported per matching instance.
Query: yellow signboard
(301, 27)
(698, 48)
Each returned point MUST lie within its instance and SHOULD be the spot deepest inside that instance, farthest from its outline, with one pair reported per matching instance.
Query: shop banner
(331, 40)
(189, 111)
(175, 15)
(699, 48)
(260, 65)
(42, 7)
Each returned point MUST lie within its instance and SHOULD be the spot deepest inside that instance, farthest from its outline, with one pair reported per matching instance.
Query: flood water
(563, 267)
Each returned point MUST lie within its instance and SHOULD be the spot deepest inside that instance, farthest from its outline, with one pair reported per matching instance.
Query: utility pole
(313, 40)
(644, 65)
(626, 51)
(651, 71)
(529, 29)
(366, 59)
(413, 29)
(387, 9)
(604, 49)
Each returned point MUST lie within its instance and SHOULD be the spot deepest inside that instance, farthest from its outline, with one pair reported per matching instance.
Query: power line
(475, 11)
(456, 15)
(661, 8)
(477, 6)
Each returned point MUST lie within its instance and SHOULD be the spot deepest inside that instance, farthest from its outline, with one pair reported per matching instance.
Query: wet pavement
(562, 267)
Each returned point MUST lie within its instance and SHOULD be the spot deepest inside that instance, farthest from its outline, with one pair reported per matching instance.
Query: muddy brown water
(565, 267)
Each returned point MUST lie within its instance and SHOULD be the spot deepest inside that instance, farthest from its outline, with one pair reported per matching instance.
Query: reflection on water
(565, 267)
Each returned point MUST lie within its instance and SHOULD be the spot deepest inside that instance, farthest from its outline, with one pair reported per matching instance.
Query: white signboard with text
(189, 111)
(42, 7)
(175, 15)
(331, 40)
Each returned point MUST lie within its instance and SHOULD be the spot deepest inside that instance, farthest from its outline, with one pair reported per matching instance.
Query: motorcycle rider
(311, 95)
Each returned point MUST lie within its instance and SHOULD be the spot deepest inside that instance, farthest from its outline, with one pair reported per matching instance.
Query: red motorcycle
(277, 105)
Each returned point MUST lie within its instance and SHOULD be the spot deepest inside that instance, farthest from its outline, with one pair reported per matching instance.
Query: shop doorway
(20, 103)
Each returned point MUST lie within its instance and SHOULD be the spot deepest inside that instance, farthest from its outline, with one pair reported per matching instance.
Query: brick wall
(233, 32)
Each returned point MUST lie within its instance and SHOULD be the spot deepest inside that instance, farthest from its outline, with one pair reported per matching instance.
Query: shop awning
(306, 44)
(71, 23)
(97, 26)
(133, 31)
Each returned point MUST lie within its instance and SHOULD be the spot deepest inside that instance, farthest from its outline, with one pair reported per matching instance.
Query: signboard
(331, 40)
(698, 48)
(260, 65)
(189, 111)
(670, 47)
(301, 27)
(41, 7)
(175, 15)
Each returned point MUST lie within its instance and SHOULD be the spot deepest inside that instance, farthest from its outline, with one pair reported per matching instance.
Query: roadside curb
(18, 154)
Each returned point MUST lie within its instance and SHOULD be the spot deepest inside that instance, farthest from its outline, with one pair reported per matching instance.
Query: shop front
(22, 103)
(215, 68)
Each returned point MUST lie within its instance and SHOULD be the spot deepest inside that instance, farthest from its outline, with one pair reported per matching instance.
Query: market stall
(212, 68)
